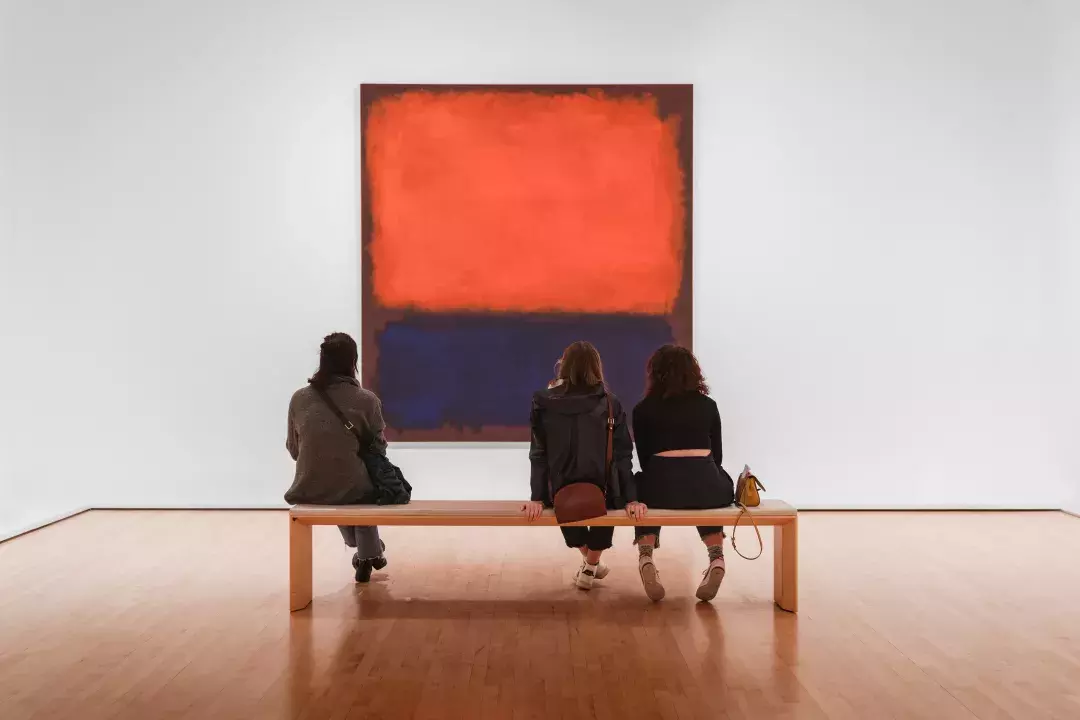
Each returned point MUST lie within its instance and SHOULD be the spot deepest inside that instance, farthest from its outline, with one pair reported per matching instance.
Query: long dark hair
(673, 370)
(337, 356)
(580, 367)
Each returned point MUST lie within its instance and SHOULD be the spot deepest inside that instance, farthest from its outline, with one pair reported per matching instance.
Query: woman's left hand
(636, 510)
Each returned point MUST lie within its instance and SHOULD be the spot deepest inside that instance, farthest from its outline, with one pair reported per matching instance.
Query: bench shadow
(375, 600)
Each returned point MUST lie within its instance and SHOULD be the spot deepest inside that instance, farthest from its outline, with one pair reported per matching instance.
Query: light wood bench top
(508, 513)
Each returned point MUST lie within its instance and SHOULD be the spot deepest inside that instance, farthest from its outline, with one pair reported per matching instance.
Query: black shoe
(363, 571)
(378, 563)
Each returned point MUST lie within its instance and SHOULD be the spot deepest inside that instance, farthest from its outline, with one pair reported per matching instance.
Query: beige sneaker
(585, 576)
(650, 578)
(710, 583)
(602, 570)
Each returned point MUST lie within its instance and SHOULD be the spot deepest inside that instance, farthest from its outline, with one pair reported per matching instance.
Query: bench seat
(507, 513)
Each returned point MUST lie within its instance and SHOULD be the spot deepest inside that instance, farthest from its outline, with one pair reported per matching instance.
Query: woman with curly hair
(677, 431)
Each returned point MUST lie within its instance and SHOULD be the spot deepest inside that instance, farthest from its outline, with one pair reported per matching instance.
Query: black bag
(391, 487)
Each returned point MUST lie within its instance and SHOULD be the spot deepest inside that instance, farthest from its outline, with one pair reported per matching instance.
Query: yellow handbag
(747, 495)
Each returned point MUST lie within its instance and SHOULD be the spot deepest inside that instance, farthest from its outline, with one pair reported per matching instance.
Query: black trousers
(593, 538)
(683, 483)
(703, 531)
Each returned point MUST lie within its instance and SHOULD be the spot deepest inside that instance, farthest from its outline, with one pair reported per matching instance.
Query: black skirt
(685, 483)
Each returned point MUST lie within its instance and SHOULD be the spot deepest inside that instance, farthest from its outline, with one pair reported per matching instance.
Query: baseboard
(178, 506)
(280, 506)
(925, 508)
(458, 445)
(10, 535)
(812, 507)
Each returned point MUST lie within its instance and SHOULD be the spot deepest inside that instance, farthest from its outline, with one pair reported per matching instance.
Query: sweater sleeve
(714, 439)
(538, 457)
(292, 436)
(377, 426)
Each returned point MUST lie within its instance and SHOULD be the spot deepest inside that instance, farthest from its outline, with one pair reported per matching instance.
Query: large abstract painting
(501, 223)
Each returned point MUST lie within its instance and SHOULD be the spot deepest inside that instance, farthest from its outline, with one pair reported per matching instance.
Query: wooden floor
(184, 614)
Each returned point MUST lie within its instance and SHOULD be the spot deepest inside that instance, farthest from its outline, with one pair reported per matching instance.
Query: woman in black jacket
(569, 445)
(677, 431)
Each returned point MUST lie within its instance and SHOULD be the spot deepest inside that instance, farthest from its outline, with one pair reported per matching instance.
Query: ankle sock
(645, 551)
(716, 552)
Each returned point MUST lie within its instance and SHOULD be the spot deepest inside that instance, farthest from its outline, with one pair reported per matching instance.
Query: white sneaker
(710, 583)
(585, 576)
(650, 578)
(602, 570)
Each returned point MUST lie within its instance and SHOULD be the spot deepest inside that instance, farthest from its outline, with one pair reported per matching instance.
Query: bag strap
(761, 546)
(341, 416)
(610, 451)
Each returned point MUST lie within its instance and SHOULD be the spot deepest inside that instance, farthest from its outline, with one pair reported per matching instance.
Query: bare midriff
(684, 453)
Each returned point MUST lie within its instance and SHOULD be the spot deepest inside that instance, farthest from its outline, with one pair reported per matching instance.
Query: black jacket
(569, 444)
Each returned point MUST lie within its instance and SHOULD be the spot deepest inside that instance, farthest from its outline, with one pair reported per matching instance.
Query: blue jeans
(365, 538)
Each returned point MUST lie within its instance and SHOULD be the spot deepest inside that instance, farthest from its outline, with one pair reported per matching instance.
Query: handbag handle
(761, 546)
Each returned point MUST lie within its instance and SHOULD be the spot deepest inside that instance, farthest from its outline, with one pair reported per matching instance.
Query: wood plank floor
(184, 615)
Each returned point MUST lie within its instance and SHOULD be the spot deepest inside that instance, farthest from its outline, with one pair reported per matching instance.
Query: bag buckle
(349, 425)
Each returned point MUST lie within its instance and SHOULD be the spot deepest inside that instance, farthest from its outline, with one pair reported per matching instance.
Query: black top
(569, 444)
(681, 422)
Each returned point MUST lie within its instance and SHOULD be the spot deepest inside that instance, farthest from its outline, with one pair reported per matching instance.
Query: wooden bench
(502, 513)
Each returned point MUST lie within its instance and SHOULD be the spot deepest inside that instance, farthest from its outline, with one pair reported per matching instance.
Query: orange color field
(511, 201)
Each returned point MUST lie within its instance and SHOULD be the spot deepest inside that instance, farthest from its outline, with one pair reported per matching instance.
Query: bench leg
(299, 565)
(786, 565)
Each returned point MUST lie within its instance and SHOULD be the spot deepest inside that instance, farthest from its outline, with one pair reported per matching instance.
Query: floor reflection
(376, 650)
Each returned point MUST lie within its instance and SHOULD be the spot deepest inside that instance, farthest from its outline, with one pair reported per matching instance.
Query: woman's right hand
(532, 510)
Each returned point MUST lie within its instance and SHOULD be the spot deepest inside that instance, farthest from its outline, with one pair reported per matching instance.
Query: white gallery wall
(45, 399)
(1067, 65)
(876, 230)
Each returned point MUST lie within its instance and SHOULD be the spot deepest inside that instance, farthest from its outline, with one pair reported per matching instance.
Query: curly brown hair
(673, 370)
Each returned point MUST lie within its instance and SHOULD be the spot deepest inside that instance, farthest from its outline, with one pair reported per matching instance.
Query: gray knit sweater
(328, 470)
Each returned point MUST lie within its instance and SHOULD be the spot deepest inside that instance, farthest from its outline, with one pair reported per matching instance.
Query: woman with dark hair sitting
(569, 445)
(329, 469)
(677, 431)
